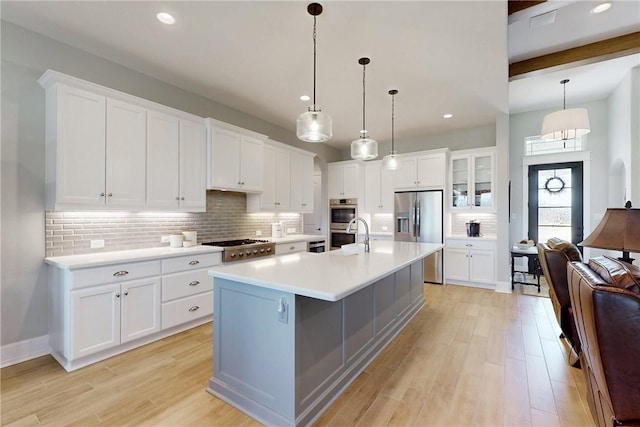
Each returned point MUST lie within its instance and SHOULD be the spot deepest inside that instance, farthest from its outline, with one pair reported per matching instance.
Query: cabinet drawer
(185, 284)
(190, 262)
(116, 273)
(286, 248)
(187, 309)
(487, 245)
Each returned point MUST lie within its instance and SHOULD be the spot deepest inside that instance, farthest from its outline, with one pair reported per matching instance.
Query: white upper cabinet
(109, 150)
(421, 171)
(287, 182)
(236, 157)
(344, 180)
(302, 182)
(472, 176)
(126, 152)
(378, 188)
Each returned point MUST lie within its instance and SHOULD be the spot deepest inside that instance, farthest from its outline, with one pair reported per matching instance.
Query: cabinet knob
(194, 262)
(469, 245)
(181, 198)
(194, 283)
(291, 248)
(177, 198)
(110, 194)
(242, 183)
(194, 308)
(118, 295)
(120, 273)
(126, 293)
(101, 194)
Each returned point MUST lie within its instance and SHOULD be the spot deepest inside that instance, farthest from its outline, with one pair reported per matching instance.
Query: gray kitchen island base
(283, 358)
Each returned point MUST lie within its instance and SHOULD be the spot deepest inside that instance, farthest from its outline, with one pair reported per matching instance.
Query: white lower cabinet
(470, 261)
(98, 312)
(289, 248)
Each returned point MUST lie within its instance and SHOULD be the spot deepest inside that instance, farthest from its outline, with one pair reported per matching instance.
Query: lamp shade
(314, 126)
(565, 124)
(392, 161)
(619, 230)
(364, 149)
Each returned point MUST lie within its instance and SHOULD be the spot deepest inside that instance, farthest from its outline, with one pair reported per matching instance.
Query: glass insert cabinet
(473, 180)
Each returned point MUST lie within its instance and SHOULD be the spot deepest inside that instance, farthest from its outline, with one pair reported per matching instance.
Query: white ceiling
(256, 57)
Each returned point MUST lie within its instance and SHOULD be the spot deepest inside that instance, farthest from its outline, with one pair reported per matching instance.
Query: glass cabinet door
(460, 182)
(482, 179)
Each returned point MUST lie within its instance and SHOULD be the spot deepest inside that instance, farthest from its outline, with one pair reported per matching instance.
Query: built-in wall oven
(341, 212)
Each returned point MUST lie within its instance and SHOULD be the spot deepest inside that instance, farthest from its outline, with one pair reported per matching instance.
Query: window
(533, 145)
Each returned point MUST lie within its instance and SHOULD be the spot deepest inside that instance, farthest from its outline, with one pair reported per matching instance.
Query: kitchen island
(292, 332)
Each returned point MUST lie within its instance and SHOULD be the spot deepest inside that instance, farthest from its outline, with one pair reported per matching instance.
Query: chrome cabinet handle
(194, 283)
(291, 248)
(126, 293)
(468, 245)
(194, 308)
(194, 262)
(118, 295)
(120, 273)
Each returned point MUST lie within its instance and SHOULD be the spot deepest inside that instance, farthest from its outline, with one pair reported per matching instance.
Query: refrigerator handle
(417, 222)
(414, 217)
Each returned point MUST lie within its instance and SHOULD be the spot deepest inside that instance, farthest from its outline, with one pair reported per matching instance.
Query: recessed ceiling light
(166, 18)
(305, 98)
(602, 7)
(447, 116)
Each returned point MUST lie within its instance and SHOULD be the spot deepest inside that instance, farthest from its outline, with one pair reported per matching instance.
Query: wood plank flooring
(471, 357)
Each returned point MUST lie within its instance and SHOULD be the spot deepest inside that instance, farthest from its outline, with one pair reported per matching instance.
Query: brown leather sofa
(606, 306)
(554, 256)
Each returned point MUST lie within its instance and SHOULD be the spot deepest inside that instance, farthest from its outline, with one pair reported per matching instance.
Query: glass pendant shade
(364, 149)
(565, 124)
(392, 161)
(314, 126)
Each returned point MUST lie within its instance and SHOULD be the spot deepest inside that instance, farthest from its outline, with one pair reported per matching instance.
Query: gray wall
(25, 56)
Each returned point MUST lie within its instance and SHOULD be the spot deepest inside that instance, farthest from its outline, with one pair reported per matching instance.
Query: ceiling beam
(593, 52)
(514, 6)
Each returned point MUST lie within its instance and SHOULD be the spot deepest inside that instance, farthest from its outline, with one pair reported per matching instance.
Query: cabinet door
(335, 181)
(225, 159)
(283, 179)
(268, 198)
(80, 169)
(193, 166)
(405, 177)
(126, 155)
(301, 182)
(386, 190)
(140, 308)
(483, 182)
(350, 180)
(163, 164)
(460, 183)
(431, 171)
(457, 264)
(95, 319)
(251, 158)
(372, 183)
(481, 265)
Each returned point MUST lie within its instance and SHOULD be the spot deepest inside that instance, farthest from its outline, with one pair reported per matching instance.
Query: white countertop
(69, 262)
(295, 238)
(329, 276)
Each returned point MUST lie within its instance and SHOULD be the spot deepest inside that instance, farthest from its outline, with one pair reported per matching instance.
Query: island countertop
(328, 276)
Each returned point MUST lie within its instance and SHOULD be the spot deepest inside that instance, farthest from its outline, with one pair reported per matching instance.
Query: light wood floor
(472, 357)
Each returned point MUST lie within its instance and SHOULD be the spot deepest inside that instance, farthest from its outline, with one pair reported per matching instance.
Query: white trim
(503, 287)
(577, 156)
(24, 350)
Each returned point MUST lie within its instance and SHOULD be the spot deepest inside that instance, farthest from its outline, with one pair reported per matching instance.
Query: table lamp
(619, 230)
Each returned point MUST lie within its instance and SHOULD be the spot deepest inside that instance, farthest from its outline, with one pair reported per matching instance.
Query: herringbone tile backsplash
(70, 233)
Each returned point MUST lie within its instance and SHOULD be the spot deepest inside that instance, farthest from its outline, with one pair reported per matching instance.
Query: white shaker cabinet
(106, 316)
(472, 180)
(470, 262)
(193, 166)
(302, 182)
(344, 180)
(421, 171)
(276, 179)
(235, 158)
(378, 188)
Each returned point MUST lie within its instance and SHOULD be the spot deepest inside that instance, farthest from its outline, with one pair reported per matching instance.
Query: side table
(532, 259)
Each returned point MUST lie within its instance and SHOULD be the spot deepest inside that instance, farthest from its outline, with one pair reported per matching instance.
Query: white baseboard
(503, 287)
(17, 352)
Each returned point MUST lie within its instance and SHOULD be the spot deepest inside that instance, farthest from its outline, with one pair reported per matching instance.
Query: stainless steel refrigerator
(418, 217)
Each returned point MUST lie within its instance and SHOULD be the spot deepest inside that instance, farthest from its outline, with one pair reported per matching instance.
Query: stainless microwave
(341, 212)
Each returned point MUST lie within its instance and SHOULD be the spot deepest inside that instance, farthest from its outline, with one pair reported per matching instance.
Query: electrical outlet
(164, 239)
(385, 228)
(258, 232)
(291, 230)
(283, 311)
(96, 244)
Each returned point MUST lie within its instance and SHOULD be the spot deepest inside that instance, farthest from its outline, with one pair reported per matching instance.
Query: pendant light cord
(364, 128)
(393, 111)
(314, 63)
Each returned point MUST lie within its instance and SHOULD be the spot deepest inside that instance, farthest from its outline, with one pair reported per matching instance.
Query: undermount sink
(352, 249)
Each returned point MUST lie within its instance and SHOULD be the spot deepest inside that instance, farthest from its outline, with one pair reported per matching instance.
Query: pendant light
(565, 124)
(364, 148)
(392, 161)
(314, 125)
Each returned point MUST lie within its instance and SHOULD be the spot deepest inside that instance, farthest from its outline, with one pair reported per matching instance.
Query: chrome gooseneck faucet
(366, 231)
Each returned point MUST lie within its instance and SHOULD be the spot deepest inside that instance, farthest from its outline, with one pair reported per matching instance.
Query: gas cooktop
(237, 242)
(241, 249)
